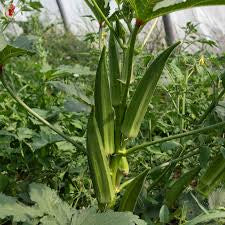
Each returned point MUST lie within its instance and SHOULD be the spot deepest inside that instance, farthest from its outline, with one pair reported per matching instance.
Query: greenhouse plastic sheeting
(211, 20)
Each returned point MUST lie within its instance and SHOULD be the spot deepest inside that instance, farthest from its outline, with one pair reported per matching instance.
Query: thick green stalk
(149, 34)
(173, 161)
(42, 120)
(185, 134)
(211, 107)
(170, 167)
(129, 62)
(108, 23)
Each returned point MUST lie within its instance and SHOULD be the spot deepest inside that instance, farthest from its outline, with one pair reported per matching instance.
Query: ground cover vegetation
(140, 141)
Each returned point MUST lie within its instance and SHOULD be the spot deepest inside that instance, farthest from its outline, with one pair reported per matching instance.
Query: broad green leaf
(91, 217)
(217, 199)
(114, 71)
(169, 146)
(98, 163)
(49, 209)
(222, 150)
(212, 215)
(103, 106)
(8, 51)
(9, 206)
(164, 214)
(71, 89)
(143, 94)
(130, 197)
(204, 156)
(73, 105)
(213, 176)
(4, 181)
(25, 42)
(36, 5)
(149, 9)
(76, 70)
(178, 187)
(24, 133)
(103, 5)
(49, 203)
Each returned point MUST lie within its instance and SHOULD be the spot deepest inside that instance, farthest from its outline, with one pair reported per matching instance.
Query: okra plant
(114, 119)
(117, 115)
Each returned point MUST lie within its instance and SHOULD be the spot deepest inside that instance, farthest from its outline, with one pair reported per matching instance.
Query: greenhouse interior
(112, 112)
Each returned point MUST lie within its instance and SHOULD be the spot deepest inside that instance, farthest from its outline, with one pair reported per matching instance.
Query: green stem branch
(129, 63)
(211, 107)
(173, 161)
(41, 119)
(108, 23)
(185, 134)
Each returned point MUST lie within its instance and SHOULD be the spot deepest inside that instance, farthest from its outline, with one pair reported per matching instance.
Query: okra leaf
(103, 5)
(103, 105)
(164, 214)
(4, 181)
(177, 188)
(143, 94)
(8, 51)
(149, 9)
(204, 156)
(212, 215)
(130, 197)
(214, 174)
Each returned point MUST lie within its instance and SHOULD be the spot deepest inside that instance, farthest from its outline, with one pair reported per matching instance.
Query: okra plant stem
(41, 119)
(173, 161)
(212, 106)
(185, 134)
(129, 63)
(108, 24)
(149, 34)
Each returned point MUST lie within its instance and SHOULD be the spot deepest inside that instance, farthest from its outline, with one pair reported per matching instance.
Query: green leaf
(25, 42)
(9, 206)
(103, 5)
(76, 70)
(24, 133)
(71, 89)
(178, 187)
(49, 209)
(149, 9)
(169, 145)
(73, 105)
(36, 5)
(49, 203)
(217, 199)
(130, 197)
(8, 51)
(207, 217)
(222, 150)
(164, 214)
(213, 175)
(98, 163)
(114, 71)
(90, 217)
(4, 181)
(143, 94)
(204, 156)
(103, 106)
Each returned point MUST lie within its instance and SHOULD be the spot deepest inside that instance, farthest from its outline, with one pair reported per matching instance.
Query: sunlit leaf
(130, 197)
(148, 9)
